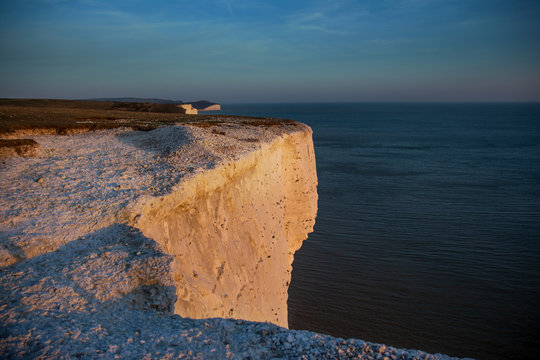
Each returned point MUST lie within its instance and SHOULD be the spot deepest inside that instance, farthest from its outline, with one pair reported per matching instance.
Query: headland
(129, 234)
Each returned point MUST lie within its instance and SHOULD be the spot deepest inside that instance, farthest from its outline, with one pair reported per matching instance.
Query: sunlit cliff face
(233, 231)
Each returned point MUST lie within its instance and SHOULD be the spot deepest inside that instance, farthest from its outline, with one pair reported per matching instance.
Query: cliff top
(69, 116)
(70, 185)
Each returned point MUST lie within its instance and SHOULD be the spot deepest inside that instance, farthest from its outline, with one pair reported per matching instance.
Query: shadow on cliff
(15, 252)
(108, 294)
(160, 141)
(113, 268)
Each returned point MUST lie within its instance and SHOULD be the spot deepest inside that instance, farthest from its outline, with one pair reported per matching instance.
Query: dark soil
(20, 147)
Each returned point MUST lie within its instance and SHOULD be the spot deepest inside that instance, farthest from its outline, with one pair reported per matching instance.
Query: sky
(242, 51)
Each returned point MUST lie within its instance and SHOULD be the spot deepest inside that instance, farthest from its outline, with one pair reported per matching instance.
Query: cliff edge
(233, 229)
(107, 236)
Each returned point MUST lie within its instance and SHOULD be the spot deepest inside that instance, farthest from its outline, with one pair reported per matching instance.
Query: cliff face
(233, 231)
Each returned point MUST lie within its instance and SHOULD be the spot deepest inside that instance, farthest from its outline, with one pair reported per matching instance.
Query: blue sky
(272, 51)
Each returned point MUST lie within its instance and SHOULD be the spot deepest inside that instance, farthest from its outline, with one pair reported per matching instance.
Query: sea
(428, 229)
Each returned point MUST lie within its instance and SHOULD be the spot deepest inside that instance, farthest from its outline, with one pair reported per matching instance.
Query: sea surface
(428, 231)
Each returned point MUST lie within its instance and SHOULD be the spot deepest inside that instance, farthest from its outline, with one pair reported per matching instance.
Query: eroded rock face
(233, 231)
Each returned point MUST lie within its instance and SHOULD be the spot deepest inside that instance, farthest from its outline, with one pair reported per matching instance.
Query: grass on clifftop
(71, 116)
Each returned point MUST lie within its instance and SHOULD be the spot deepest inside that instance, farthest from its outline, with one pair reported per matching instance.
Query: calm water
(428, 232)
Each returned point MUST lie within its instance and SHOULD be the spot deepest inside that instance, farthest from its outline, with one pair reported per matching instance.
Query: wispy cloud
(105, 18)
(472, 22)
(322, 29)
(227, 4)
(386, 42)
(325, 18)
(242, 5)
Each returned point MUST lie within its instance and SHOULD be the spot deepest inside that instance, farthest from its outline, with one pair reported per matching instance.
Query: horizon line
(293, 102)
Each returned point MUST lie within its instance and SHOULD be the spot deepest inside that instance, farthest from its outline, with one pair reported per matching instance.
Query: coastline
(78, 259)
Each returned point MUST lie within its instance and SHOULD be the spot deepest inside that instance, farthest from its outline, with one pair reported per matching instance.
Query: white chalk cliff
(233, 230)
(106, 235)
